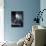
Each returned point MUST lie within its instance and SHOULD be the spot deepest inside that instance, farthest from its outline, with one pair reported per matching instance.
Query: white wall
(1, 20)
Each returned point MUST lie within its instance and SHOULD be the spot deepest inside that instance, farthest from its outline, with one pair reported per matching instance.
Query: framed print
(17, 18)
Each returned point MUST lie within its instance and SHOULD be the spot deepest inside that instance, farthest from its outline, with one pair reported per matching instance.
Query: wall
(29, 7)
(1, 20)
(43, 6)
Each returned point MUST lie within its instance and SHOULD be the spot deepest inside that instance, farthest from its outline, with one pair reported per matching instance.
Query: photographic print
(17, 18)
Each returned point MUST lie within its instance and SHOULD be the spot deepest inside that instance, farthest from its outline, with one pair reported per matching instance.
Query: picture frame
(17, 18)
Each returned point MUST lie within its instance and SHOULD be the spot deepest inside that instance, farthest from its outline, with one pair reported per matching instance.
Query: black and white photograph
(17, 18)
